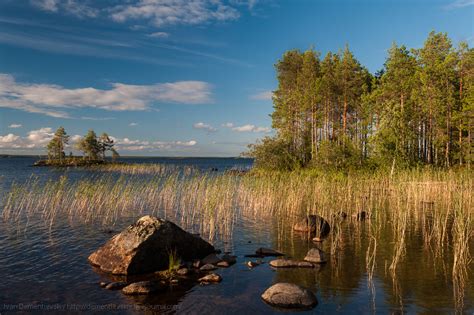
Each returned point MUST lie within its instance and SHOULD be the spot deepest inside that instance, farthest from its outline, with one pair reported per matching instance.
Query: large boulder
(288, 295)
(314, 224)
(145, 246)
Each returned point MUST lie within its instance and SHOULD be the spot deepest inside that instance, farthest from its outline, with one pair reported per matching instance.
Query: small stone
(317, 239)
(315, 255)
(183, 271)
(103, 284)
(211, 278)
(197, 264)
(174, 281)
(288, 295)
(212, 259)
(143, 287)
(288, 263)
(208, 267)
(268, 252)
(116, 285)
(252, 264)
(313, 224)
(223, 264)
(230, 259)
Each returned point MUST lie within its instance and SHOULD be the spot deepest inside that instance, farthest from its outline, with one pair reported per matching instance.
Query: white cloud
(9, 138)
(126, 144)
(262, 96)
(159, 35)
(247, 128)
(460, 4)
(38, 139)
(79, 8)
(204, 126)
(15, 126)
(133, 124)
(174, 12)
(34, 139)
(52, 99)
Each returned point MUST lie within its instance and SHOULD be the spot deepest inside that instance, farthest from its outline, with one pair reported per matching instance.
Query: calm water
(46, 269)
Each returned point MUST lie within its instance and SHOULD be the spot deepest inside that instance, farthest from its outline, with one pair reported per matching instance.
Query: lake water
(46, 270)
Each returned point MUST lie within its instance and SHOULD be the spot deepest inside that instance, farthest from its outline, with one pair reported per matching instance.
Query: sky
(182, 77)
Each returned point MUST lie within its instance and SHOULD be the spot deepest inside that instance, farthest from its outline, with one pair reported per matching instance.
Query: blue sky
(177, 77)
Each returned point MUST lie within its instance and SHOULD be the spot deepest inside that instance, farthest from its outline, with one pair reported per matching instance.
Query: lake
(44, 267)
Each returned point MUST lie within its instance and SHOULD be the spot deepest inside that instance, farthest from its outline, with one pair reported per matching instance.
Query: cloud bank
(53, 100)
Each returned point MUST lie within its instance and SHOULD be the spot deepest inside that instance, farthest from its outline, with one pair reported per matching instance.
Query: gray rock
(223, 264)
(143, 287)
(230, 259)
(144, 247)
(116, 285)
(315, 255)
(208, 267)
(211, 278)
(313, 224)
(183, 271)
(288, 295)
(288, 263)
(262, 251)
(212, 259)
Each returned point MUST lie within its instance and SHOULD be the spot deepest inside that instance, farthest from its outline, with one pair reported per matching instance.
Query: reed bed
(438, 205)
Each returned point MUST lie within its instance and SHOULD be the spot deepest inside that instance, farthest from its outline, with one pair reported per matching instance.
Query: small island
(94, 150)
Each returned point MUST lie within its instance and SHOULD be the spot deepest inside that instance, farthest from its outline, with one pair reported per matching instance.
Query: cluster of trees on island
(419, 109)
(94, 148)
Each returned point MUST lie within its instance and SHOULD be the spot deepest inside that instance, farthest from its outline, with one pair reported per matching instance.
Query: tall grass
(438, 205)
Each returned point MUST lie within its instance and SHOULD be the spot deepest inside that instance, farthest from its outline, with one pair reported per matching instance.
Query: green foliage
(173, 260)
(273, 154)
(56, 146)
(333, 113)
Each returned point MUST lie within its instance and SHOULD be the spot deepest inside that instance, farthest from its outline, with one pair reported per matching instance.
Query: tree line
(333, 112)
(94, 148)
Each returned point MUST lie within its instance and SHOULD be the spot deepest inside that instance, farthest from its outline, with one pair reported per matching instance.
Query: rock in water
(211, 278)
(208, 267)
(313, 224)
(116, 285)
(288, 263)
(288, 295)
(230, 259)
(144, 247)
(268, 252)
(143, 287)
(315, 255)
(211, 259)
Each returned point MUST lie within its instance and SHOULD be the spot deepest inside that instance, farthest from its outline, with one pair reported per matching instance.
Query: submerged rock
(288, 263)
(268, 252)
(143, 287)
(116, 285)
(208, 267)
(230, 259)
(288, 295)
(315, 255)
(223, 264)
(212, 259)
(252, 264)
(211, 278)
(183, 272)
(144, 247)
(314, 224)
